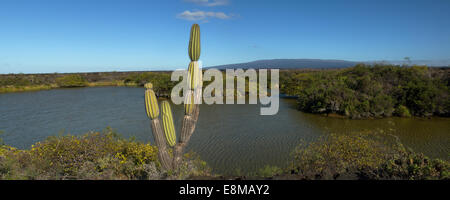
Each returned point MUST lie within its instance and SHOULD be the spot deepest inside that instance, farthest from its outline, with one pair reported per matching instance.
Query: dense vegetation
(28, 82)
(162, 85)
(91, 156)
(371, 91)
(74, 80)
(364, 156)
(21, 82)
(16, 80)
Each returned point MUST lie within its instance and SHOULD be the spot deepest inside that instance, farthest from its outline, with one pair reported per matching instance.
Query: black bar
(252, 189)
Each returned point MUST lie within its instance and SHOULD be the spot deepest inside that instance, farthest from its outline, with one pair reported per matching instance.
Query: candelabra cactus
(192, 95)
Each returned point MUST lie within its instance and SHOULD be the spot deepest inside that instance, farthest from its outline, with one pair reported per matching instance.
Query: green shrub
(162, 85)
(1, 139)
(269, 171)
(18, 80)
(367, 91)
(91, 156)
(364, 156)
(402, 111)
(74, 80)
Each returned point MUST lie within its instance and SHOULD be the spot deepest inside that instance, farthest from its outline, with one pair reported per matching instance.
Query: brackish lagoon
(230, 138)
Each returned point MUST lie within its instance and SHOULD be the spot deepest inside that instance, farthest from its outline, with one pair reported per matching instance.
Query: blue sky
(39, 36)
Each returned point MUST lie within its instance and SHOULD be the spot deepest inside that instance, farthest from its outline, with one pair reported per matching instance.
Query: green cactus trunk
(163, 153)
(189, 103)
(194, 75)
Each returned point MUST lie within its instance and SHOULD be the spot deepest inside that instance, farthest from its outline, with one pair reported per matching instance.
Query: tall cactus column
(191, 109)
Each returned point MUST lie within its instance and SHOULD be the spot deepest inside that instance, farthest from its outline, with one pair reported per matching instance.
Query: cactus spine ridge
(194, 75)
(169, 128)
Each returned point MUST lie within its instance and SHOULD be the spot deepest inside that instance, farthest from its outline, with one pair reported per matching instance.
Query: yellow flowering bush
(95, 155)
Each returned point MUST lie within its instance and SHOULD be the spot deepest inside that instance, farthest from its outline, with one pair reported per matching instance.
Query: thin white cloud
(209, 3)
(202, 15)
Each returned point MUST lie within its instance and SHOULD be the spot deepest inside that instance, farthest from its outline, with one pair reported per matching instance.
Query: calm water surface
(230, 138)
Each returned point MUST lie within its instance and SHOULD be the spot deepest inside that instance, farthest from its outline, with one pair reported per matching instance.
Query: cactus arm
(194, 43)
(151, 106)
(169, 128)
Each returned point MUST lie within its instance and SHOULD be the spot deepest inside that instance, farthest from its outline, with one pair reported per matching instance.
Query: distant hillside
(289, 64)
(321, 64)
